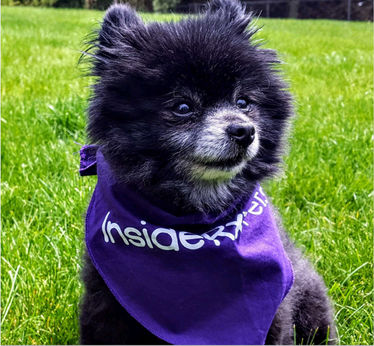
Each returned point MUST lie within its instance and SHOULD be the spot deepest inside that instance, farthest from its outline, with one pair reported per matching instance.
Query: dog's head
(193, 103)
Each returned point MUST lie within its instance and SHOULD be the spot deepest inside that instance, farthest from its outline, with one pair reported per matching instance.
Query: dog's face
(193, 101)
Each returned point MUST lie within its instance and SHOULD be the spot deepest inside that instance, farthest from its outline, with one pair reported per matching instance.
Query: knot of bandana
(88, 160)
(220, 286)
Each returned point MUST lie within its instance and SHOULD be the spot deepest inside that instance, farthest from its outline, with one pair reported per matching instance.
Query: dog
(192, 115)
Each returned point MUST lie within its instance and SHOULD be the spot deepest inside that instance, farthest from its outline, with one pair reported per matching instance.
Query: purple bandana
(221, 284)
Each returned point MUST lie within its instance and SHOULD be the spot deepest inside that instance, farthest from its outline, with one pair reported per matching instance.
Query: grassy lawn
(325, 194)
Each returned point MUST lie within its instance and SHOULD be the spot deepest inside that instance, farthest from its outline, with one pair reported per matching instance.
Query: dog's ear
(121, 15)
(230, 11)
(230, 7)
(117, 41)
(119, 19)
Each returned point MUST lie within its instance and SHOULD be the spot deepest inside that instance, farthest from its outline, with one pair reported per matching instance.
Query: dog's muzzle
(242, 134)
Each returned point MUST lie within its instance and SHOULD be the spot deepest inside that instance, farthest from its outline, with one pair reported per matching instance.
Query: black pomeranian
(192, 115)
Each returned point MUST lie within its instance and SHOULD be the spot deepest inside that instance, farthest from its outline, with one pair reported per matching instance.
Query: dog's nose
(242, 134)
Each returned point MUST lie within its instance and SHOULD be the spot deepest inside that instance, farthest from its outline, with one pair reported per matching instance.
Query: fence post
(267, 9)
(349, 9)
(293, 8)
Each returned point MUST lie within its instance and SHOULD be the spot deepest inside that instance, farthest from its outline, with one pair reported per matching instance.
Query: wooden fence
(363, 10)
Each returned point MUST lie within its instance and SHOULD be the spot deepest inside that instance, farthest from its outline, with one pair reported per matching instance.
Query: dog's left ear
(231, 12)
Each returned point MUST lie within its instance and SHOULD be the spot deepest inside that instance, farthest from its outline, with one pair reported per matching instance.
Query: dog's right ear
(118, 41)
(119, 19)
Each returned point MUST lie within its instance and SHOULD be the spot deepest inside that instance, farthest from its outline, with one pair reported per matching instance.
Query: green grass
(325, 194)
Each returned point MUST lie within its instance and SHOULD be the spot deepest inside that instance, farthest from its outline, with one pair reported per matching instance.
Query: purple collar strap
(220, 285)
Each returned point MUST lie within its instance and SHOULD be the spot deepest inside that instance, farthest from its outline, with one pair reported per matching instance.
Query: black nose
(242, 134)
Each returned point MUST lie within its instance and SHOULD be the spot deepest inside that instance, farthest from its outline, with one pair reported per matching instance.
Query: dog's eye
(182, 110)
(242, 103)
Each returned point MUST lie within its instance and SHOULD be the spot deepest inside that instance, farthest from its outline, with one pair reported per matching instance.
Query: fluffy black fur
(143, 72)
